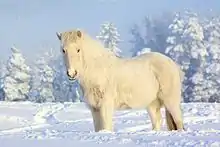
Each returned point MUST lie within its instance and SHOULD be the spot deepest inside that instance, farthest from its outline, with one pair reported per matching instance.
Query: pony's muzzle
(71, 74)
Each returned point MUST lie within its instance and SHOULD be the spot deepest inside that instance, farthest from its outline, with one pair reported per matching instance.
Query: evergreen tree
(187, 47)
(152, 33)
(156, 32)
(137, 42)
(110, 37)
(212, 67)
(16, 81)
(42, 83)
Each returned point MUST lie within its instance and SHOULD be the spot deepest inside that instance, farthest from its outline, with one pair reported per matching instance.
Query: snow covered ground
(70, 125)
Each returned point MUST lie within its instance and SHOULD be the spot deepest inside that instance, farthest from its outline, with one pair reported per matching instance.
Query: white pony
(109, 83)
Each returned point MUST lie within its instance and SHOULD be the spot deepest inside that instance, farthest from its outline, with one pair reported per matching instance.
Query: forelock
(69, 36)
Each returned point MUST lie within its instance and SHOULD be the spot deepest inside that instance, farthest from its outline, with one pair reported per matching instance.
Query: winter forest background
(191, 39)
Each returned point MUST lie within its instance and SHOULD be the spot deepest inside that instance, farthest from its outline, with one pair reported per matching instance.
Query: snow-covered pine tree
(198, 52)
(188, 49)
(212, 67)
(42, 83)
(137, 41)
(17, 79)
(151, 33)
(176, 48)
(110, 37)
(156, 32)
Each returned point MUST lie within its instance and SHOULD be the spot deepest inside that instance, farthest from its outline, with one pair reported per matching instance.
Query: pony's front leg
(106, 114)
(96, 119)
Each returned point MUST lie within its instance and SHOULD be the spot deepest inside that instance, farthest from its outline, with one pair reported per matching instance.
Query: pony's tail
(170, 121)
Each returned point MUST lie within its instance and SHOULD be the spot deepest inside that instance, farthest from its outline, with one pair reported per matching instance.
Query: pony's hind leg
(155, 114)
(174, 116)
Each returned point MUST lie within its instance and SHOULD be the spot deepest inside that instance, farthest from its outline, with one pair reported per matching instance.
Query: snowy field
(70, 125)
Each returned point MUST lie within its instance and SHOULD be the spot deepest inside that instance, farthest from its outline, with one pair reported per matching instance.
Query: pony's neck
(95, 59)
(94, 52)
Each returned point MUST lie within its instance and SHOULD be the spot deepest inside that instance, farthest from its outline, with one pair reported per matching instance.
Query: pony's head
(71, 45)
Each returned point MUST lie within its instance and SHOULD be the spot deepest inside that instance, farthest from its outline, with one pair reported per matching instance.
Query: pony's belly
(138, 92)
(134, 102)
(124, 106)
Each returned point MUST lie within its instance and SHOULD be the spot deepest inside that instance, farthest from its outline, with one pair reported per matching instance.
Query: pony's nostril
(67, 73)
(75, 73)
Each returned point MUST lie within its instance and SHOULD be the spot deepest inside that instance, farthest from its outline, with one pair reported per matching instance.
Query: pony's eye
(63, 50)
(78, 50)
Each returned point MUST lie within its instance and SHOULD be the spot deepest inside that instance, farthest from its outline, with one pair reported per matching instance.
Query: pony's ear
(79, 33)
(58, 35)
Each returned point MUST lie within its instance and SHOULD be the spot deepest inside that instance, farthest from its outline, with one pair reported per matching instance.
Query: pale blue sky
(31, 24)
